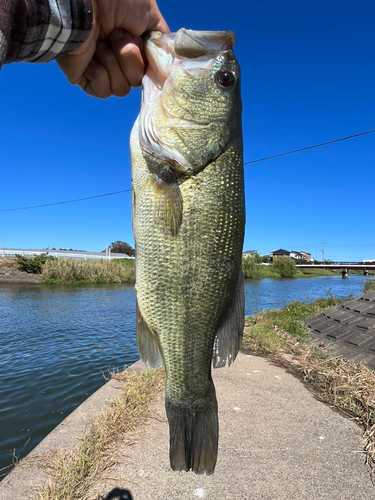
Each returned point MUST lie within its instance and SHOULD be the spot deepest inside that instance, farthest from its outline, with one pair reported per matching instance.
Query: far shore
(11, 274)
(14, 275)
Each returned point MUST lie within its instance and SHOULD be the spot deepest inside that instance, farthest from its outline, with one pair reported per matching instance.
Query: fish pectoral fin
(147, 343)
(167, 201)
(229, 335)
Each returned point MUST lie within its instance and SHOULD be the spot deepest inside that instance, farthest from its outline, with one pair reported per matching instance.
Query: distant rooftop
(280, 251)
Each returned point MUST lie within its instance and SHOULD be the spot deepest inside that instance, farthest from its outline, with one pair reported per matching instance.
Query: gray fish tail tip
(193, 437)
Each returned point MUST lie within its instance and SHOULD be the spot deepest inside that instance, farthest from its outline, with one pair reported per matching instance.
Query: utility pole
(323, 253)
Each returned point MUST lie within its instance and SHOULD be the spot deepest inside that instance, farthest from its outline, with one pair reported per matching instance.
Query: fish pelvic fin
(147, 343)
(228, 338)
(167, 200)
(194, 435)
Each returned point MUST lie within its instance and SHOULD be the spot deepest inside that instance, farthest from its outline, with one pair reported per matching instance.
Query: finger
(119, 84)
(156, 20)
(96, 80)
(127, 51)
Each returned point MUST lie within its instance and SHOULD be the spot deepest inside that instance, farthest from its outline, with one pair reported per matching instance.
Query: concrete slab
(347, 329)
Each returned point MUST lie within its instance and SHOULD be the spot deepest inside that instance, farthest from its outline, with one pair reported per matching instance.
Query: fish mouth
(164, 126)
(163, 50)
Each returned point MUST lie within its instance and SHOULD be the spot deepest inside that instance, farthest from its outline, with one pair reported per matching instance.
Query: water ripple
(56, 343)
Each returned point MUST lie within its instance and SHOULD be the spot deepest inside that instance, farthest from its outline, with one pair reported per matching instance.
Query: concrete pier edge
(22, 482)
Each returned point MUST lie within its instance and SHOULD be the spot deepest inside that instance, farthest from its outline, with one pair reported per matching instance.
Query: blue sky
(308, 77)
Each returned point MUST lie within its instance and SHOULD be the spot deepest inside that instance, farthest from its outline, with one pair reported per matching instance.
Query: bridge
(344, 267)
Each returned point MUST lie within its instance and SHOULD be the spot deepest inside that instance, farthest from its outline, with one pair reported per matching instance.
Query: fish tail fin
(194, 434)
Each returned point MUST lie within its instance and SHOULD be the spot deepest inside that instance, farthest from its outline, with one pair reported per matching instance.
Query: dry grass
(347, 386)
(8, 262)
(74, 472)
(80, 271)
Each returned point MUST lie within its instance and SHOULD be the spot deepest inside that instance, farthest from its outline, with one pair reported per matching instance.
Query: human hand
(111, 60)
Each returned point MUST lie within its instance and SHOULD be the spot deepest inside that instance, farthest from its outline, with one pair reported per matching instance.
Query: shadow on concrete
(119, 494)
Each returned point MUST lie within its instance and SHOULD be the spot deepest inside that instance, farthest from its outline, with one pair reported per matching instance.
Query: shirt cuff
(43, 30)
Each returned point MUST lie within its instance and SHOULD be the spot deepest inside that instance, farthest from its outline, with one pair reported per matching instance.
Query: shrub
(250, 268)
(285, 267)
(34, 264)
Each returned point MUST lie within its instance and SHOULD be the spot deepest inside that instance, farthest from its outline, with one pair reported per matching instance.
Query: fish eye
(225, 78)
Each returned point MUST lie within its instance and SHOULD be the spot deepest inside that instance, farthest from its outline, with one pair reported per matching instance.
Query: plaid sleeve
(40, 30)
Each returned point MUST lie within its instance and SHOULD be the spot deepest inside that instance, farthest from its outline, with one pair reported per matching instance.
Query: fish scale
(188, 274)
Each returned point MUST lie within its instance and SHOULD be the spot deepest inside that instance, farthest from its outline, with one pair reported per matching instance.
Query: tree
(122, 247)
(285, 267)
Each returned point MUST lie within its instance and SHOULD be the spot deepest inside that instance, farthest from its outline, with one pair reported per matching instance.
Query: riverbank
(261, 271)
(67, 271)
(10, 273)
(70, 271)
(286, 409)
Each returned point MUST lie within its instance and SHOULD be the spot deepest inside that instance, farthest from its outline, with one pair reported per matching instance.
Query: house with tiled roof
(280, 253)
(291, 255)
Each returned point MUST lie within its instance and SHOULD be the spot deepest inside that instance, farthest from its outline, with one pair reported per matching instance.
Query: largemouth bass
(188, 223)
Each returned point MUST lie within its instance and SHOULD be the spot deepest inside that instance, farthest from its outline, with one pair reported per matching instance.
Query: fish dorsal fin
(167, 200)
(147, 343)
(229, 335)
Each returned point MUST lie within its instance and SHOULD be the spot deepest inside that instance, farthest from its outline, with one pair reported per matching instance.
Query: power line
(344, 245)
(309, 147)
(246, 163)
(64, 202)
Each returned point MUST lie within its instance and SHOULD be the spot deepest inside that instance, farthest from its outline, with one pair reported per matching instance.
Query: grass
(369, 285)
(254, 270)
(67, 271)
(347, 386)
(8, 262)
(309, 273)
(126, 263)
(263, 338)
(74, 472)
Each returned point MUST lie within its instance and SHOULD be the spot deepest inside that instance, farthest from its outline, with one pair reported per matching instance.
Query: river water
(56, 342)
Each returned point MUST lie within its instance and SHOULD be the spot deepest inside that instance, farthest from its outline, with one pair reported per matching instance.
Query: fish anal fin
(229, 335)
(167, 200)
(147, 343)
